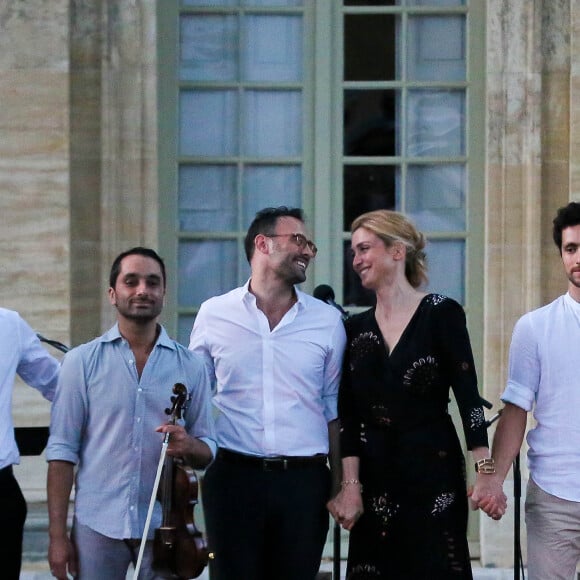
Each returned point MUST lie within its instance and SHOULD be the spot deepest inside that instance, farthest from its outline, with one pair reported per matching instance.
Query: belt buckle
(274, 464)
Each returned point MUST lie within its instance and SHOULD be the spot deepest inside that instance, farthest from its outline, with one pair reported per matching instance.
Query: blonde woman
(403, 493)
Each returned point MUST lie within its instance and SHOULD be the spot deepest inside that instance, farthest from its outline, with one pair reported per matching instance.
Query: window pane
(436, 197)
(366, 188)
(205, 269)
(273, 48)
(372, 2)
(370, 47)
(248, 3)
(270, 187)
(431, 59)
(273, 123)
(435, 2)
(207, 198)
(209, 2)
(436, 123)
(272, 2)
(446, 261)
(370, 123)
(208, 123)
(208, 48)
(184, 326)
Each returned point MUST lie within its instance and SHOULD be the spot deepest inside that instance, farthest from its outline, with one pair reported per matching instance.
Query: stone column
(113, 147)
(34, 189)
(129, 130)
(528, 160)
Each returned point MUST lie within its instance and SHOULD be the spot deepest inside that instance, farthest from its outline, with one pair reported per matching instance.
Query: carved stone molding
(113, 147)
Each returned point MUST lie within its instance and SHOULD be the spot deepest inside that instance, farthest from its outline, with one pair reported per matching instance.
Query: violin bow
(179, 390)
(151, 505)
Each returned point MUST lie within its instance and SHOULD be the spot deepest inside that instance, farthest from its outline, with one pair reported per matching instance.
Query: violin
(179, 548)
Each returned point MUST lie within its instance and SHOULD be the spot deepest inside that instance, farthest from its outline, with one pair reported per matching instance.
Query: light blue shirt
(104, 419)
(544, 376)
(22, 355)
(275, 390)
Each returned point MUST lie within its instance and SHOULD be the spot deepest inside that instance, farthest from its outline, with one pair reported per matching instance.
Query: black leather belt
(275, 463)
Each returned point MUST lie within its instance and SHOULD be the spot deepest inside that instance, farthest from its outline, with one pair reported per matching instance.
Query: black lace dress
(393, 413)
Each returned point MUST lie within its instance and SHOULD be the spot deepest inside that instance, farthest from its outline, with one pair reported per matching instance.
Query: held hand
(62, 558)
(488, 495)
(347, 507)
(180, 443)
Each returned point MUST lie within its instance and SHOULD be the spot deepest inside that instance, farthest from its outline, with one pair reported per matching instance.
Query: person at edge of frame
(22, 355)
(543, 378)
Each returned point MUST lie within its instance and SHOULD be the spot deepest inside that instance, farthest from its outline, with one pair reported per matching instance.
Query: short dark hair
(567, 216)
(265, 223)
(137, 251)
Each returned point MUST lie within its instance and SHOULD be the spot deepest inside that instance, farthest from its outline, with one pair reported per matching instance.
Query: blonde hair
(392, 227)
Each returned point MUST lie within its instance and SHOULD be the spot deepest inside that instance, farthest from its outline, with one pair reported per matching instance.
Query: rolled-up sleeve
(69, 411)
(199, 418)
(524, 367)
(36, 367)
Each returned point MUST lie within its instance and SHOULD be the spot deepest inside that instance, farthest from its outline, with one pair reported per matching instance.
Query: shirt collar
(573, 303)
(247, 296)
(114, 334)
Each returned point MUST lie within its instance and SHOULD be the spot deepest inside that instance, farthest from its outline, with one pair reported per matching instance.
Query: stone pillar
(114, 153)
(129, 130)
(34, 189)
(528, 159)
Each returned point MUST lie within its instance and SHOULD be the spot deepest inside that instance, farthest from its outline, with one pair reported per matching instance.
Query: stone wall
(78, 172)
(34, 184)
(531, 132)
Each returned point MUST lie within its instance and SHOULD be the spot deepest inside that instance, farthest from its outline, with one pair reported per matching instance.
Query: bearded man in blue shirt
(106, 419)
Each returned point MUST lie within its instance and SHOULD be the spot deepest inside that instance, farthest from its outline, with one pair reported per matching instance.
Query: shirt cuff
(518, 396)
(212, 446)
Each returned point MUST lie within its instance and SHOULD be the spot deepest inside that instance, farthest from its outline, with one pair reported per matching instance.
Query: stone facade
(78, 171)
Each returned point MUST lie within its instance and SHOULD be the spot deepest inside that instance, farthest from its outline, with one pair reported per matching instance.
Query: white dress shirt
(544, 375)
(275, 390)
(22, 355)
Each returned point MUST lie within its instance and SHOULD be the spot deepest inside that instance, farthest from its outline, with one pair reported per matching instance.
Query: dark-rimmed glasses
(299, 239)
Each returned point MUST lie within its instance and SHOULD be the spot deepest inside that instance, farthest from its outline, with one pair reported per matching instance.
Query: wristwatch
(486, 465)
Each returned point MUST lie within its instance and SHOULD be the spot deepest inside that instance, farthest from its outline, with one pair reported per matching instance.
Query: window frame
(322, 159)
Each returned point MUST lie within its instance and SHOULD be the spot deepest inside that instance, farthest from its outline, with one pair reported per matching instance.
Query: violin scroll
(179, 400)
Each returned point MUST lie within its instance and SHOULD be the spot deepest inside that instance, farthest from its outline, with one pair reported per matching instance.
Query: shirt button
(138, 419)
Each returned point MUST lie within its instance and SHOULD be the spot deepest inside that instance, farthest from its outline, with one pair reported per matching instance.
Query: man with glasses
(274, 354)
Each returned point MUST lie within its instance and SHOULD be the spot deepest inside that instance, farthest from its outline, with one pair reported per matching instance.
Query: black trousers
(13, 516)
(264, 524)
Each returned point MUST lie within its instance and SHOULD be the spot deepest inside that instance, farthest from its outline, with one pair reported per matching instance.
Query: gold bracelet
(486, 466)
(351, 482)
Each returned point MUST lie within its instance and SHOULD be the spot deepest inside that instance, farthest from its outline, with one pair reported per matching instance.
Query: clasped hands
(346, 507)
(488, 496)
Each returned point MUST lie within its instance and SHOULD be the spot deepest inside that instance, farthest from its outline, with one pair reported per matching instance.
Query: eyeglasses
(299, 239)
